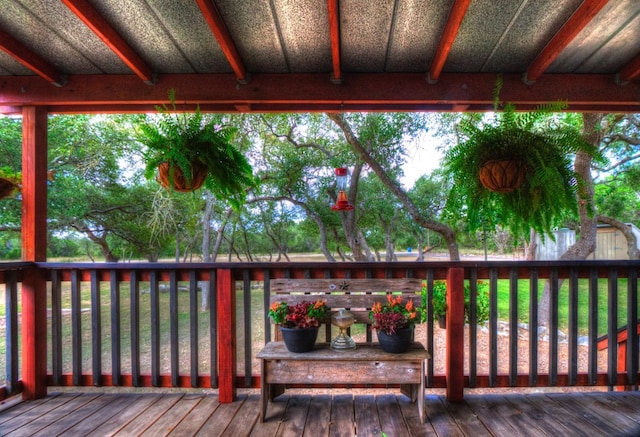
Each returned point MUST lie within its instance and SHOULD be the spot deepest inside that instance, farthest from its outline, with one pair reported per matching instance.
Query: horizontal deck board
(323, 414)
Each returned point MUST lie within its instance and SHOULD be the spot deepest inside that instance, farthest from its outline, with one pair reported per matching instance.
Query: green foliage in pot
(439, 300)
(182, 139)
(543, 145)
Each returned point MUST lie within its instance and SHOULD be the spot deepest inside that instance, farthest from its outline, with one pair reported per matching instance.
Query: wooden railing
(143, 324)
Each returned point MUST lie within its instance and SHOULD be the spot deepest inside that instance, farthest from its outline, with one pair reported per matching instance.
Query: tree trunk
(586, 243)
(447, 233)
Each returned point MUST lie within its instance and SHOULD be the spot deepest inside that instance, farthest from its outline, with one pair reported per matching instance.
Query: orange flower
(274, 306)
(409, 306)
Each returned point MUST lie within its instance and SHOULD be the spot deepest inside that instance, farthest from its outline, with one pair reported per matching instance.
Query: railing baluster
(572, 355)
(155, 329)
(593, 326)
(248, 332)
(513, 327)
(193, 328)
(96, 330)
(493, 327)
(554, 288)
(174, 334)
(266, 301)
(473, 327)
(612, 305)
(76, 328)
(213, 328)
(116, 352)
(632, 327)
(430, 333)
(134, 301)
(56, 327)
(533, 327)
(11, 331)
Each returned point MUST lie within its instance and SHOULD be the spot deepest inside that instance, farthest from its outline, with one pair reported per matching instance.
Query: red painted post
(455, 335)
(227, 358)
(34, 248)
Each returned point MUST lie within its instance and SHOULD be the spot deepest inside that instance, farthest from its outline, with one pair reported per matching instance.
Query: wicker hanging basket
(6, 187)
(502, 175)
(177, 181)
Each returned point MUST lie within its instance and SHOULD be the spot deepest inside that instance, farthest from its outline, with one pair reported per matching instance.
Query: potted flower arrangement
(439, 302)
(515, 170)
(299, 323)
(394, 322)
(186, 151)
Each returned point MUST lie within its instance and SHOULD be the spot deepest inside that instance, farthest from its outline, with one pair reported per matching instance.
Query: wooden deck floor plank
(549, 420)
(295, 416)
(565, 417)
(65, 406)
(135, 403)
(275, 417)
(88, 416)
(25, 412)
(319, 417)
(487, 413)
(366, 416)
(244, 420)
(466, 419)
(612, 408)
(18, 406)
(441, 420)
(626, 403)
(194, 420)
(168, 420)
(586, 412)
(391, 419)
(514, 416)
(412, 418)
(221, 418)
(113, 404)
(151, 414)
(342, 416)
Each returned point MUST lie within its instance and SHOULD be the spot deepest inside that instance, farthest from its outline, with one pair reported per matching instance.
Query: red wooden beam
(449, 34)
(454, 364)
(334, 35)
(111, 38)
(34, 248)
(220, 31)
(314, 93)
(630, 71)
(227, 361)
(29, 59)
(580, 18)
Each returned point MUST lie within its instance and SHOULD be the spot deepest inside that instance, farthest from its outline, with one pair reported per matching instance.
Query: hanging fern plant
(542, 153)
(185, 144)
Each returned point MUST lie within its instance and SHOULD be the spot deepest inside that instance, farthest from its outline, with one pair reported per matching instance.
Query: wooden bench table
(367, 364)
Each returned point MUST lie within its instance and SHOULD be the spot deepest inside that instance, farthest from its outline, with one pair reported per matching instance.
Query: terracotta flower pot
(179, 182)
(502, 175)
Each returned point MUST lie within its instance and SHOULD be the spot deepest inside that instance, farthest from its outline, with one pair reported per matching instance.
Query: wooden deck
(324, 414)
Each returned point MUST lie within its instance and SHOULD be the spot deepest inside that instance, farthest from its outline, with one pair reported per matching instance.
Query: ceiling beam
(83, 10)
(580, 18)
(630, 71)
(334, 36)
(29, 59)
(458, 11)
(222, 35)
(313, 93)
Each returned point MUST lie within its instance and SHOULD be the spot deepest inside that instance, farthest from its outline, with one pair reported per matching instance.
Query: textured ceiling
(318, 55)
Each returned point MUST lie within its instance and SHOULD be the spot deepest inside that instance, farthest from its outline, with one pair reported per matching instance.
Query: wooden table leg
(264, 391)
(421, 393)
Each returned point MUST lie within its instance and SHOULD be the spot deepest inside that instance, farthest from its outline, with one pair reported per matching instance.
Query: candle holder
(343, 319)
